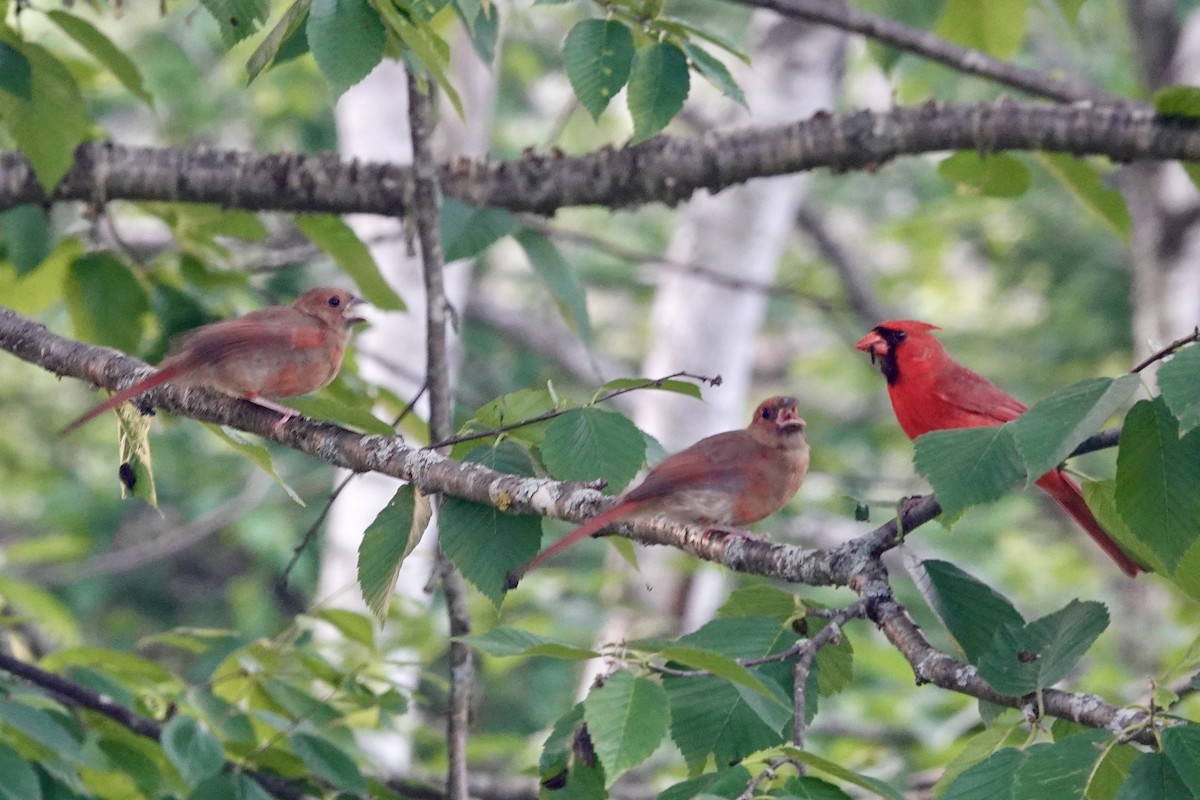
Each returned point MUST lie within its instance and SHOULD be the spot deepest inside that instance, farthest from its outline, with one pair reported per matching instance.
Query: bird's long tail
(157, 379)
(1065, 492)
(592, 526)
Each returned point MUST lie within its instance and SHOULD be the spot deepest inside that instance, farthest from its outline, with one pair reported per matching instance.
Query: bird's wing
(972, 400)
(718, 462)
(271, 329)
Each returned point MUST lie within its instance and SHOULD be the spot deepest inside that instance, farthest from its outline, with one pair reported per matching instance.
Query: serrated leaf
(468, 230)
(259, 455)
(237, 19)
(658, 84)
(568, 761)
(335, 237)
(50, 123)
(16, 75)
(720, 666)
(1085, 182)
(1053, 427)
(760, 601)
(511, 409)
(347, 38)
(873, 785)
(1181, 746)
(1101, 498)
(722, 783)
(101, 48)
(328, 761)
(292, 21)
(978, 748)
(990, 175)
(996, 27)
(598, 55)
(834, 662)
(969, 466)
(990, 779)
(1038, 655)
(676, 386)
(1157, 472)
(20, 780)
(627, 719)
(1063, 769)
(191, 749)
(560, 278)
(484, 543)
(715, 72)
(106, 302)
(972, 611)
(1177, 380)
(25, 236)
(1154, 777)
(392, 535)
(504, 642)
(426, 50)
(587, 443)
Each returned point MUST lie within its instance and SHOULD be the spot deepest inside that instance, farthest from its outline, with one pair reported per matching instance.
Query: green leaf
(996, 27)
(468, 230)
(679, 387)
(873, 785)
(1177, 380)
(720, 666)
(1038, 655)
(761, 600)
(485, 32)
(1157, 472)
(658, 84)
(16, 75)
(264, 55)
(972, 611)
(1178, 101)
(991, 175)
(42, 727)
(598, 54)
(1154, 777)
(722, 783)
(48, 125)
(504, 642)
(979, 747)
(259, 456)
(133, 447)
(627, 720)
(392, 535)
(1181, 745)
(1048, 432)
(1063, 769)
(834, 661)
(1101, 498)
(587, 443)
(714, 72)
(106, 302)
(192, 750)
(328, 761)
(990, 779)
(1085, 182)
(510, 409)
(101, 48)
(43, 607)
(560, 278)
(568, 754)
(25, 236)
(20, 780)
(237, 19)
(483, 542)
(969, 466)
(355, 627)
(41, 289)
(426, 50)
(347, 38)
(335, 237)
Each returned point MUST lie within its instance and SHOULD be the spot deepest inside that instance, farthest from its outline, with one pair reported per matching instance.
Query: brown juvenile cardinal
(930, 391)
(278, 351)
(730, 479)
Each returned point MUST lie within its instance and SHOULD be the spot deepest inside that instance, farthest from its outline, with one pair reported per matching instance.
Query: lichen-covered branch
(665, 169)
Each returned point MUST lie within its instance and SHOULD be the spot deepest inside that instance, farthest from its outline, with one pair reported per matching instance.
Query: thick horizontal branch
(665, 168)
(855, 563)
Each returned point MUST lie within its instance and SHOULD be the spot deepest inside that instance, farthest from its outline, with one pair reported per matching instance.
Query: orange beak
(874, 344)
(788, 417)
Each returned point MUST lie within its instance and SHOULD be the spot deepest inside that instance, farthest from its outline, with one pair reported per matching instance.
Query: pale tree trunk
(709, 329)
(372, 123)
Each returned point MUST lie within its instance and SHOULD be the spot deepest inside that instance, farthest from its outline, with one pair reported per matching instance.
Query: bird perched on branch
(278, 351)
(729, 479)
(930, 391)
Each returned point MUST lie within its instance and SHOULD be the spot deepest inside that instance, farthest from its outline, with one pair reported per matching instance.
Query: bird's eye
(767, 413)
(334, 301)
(900, 336)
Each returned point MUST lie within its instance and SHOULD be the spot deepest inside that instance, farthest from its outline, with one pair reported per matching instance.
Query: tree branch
(662, 169)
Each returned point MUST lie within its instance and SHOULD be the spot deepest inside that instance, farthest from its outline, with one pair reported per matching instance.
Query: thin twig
(649, 383)
(426, 203)
(1166, 351)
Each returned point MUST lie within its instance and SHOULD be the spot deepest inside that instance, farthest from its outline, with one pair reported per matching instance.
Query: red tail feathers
(157, 379)
(592, 526)
(1065, 492)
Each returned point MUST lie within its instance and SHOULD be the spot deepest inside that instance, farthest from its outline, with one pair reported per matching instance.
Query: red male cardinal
(930, 391)
(278, 351)
(730, 479)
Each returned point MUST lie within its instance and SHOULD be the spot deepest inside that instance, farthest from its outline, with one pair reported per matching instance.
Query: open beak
(788, 418)
(874, 344)
(351, 313)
